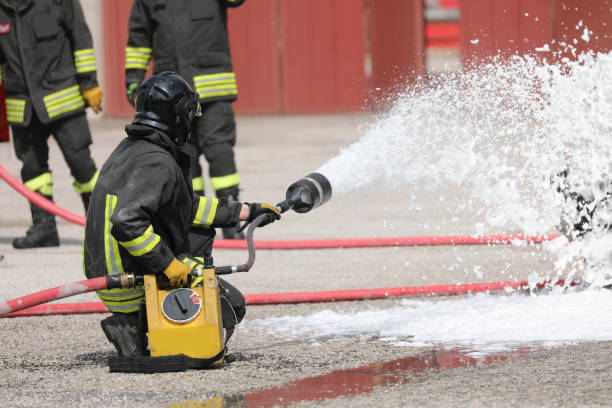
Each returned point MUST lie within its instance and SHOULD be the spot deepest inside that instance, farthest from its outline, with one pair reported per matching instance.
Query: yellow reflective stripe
(139, 50)
(121, 295)
(230, 180)
(210, 94)
(198, 183)
(85, 60)
(43, 183)
(122, 300)
(111, 249)
(205, 214)
(85, 52)
(189, 262)
(88, 187)
(1, 74)
(15, 110)
(55, 97)
(222, 76)
(197, 282)
(124, 307)
(192, 263)
(137, 57)
(66, 100)
(136, 65)
(142, 244)
(208, 86)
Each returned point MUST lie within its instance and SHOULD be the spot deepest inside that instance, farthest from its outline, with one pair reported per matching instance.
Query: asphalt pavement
(61, 360)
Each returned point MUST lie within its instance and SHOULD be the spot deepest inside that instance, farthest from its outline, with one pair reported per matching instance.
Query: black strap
(163, 364)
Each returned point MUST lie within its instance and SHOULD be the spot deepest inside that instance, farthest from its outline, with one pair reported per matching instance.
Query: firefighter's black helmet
(166, 101)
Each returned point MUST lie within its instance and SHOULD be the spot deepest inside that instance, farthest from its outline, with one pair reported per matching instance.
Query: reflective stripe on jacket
(141, 210)
(47, 56)
(185, 36)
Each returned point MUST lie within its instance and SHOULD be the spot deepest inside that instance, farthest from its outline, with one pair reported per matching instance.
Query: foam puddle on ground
(482, 322)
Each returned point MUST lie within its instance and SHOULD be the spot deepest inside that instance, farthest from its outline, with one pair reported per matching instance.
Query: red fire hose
(298, 297)
(40, 201)
(307, 243)
(386, 242)
(49, 295)
(60, 292)
(16, 307)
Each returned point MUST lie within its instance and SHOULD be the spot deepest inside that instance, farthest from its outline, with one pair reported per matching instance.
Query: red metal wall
(397, 37)
(519, 26)
(254, 32)
(323, 51)
(504, 27)
(596, 15)
(116, 14)
(298, 56)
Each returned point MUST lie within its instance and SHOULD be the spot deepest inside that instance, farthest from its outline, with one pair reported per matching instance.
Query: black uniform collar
(152, 135)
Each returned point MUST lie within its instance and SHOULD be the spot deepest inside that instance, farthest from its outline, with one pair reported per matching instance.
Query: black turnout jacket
(143, 207)
(189, 37)
(46, 59)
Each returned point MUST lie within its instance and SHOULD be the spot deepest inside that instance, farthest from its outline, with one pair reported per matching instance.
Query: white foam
(482, 322)
(499, 132)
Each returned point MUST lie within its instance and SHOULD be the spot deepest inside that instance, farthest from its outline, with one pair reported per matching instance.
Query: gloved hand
(130, 92)
(177, 273)
(93, 96)
(257, 209)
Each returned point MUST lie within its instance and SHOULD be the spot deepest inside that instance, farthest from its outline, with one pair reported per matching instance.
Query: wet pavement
(357, 381)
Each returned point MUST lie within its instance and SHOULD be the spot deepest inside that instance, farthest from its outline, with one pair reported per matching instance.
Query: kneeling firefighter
(144, 217)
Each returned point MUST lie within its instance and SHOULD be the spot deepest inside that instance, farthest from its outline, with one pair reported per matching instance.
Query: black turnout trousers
(73, 138)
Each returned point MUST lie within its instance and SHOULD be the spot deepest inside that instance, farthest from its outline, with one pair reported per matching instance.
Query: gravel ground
(61, 360)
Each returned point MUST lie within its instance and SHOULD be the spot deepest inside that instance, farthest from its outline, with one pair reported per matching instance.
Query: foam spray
(503, 132)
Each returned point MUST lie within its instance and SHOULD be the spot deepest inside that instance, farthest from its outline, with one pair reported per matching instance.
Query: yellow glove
(177, 273)
(93, 96)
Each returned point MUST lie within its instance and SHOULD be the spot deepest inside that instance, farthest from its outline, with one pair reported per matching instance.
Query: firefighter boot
(42, 233)
(231, 194)
(121, 329)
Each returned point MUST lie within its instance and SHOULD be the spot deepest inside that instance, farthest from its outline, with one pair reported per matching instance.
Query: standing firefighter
(48, 66)
(191, 38)
(144, 217)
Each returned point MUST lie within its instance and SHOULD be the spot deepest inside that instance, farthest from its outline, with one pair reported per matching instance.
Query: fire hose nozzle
(307, 193)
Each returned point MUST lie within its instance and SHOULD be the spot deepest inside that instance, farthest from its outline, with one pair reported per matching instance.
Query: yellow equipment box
(186, 321)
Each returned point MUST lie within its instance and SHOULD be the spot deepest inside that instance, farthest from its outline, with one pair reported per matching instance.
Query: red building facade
(299, 56)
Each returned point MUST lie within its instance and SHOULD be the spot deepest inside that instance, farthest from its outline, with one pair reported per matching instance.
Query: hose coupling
(128, 280)
(123, 281)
